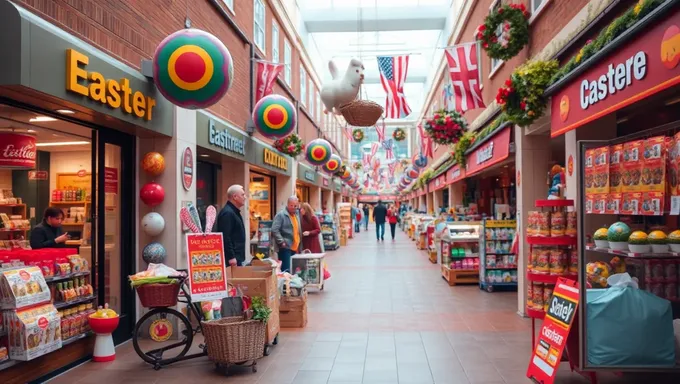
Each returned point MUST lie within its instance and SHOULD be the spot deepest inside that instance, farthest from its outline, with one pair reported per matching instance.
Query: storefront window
(302, 193)
(261, 194)
(206, 188)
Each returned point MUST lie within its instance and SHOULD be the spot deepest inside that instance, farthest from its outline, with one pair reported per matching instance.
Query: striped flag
(464, 72)
(266, 76)
(393, 70)
(348, 133)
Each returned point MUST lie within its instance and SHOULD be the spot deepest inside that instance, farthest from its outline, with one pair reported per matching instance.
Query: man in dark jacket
(379, 215)
(49, 233)
(230, 223)
(365, 217)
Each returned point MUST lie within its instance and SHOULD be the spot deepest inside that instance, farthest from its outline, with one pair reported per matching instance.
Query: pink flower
(291, 148)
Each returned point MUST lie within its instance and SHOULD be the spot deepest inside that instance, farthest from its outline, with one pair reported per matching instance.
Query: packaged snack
(532, 223)
(615, 167)
(654, 165)
(558, 224)
(671, 271)
(652, 203)
(600, 203)
(543, 224)
(542, 264)
(491, 261)
(537, 297)
(532, 259)
(530, 295)
(658, 272)
(558, 262)
(547, 294)
(671, 291)
(674, 157)
(632, 166)
(631, 202)
(589, 203)
(613, 205)
(589, 166)
(573, 261)
(571, 224)
(601, 170)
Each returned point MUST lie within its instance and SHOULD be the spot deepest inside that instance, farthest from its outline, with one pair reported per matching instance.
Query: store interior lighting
(61, 143)
(41, 119)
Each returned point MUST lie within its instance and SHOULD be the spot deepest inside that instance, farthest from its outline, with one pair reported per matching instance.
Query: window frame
(495, 64)
(536, 12)
(303, 86)
(259, 25)
(287, 62)
(275, 43)
(230, 5)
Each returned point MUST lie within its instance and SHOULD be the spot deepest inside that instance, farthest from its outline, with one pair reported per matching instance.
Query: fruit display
(600, 238)
(674, 240)
(104, 313)
(597, 273)
(638, 242)
(659, 241)
(617, 235)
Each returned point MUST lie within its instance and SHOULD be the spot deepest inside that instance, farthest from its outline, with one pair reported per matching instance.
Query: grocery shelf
(64, 304)
(554, 241)
(634, 255)
(73, 339)
(66, 277)
(554, 203)
(500, 268)
(548, 279)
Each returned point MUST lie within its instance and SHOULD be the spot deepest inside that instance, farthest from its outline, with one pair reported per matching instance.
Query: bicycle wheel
(156, 339)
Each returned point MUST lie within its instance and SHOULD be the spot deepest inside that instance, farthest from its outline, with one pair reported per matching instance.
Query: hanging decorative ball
(274, 116)
(154, 253)
(153, 163)
(346, 175)
(152, 194)
(332, 164)
(318, 152)
(412, 173)
(419, 161)
(192, 69)
(153, 224)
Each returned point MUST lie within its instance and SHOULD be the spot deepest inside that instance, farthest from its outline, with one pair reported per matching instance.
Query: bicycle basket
(234, 340)
(158, 295)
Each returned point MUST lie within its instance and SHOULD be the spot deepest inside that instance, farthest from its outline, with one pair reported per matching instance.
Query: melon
(600, 234)
(638, 237)
(657, 237)
(674, 237)
(618, 232)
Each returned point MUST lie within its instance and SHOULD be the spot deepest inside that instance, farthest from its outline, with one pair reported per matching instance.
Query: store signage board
(274, 159)
(489, 153)
(552, 339)
(17, 150)
(644, 66)
(110, 180)
(187, 168)
(226, 140)
(38, 175)
(310, 176)
(325, 181)
(207, 274)
(456, 173)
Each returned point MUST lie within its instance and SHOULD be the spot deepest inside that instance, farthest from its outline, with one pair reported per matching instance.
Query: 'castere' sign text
(116, 94)
(225, 140)
(275, 160)
(615, 80)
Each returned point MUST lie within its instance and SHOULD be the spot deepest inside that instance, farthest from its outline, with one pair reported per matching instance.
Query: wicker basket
(362, 113)
(158, 295)
(233, 340)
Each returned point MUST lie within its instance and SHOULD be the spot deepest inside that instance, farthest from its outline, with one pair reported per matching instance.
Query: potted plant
(674, 240)
(639, 243)
(617, 235)
(659, 241)
(600, 238)
(260, 309)
(446, 127)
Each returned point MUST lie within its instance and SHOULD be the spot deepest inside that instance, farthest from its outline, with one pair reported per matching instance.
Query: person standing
(49, 234)
(287, 233)
(392, 218)
(379, 215)
(230, 223)
(356, 216)
(310, 229)
(365, 209)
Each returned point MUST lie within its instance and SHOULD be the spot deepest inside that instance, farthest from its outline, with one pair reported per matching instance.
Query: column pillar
(315, 198)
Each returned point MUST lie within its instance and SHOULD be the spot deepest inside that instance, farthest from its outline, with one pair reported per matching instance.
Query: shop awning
(454, 174)
(437, 183)
(490, 152)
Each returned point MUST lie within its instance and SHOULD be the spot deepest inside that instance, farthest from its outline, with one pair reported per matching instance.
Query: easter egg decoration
(618, 234)
(674, 240)
(153, 224)
(332, 164)
(274, 116)
(154, 253)
(419, 161)
(600, 237)
(152, 194)
(638, 242)
(412, 173)
(153, 163)
(659, 241)
(319, 151)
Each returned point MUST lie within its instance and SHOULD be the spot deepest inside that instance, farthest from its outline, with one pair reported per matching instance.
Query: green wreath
(522, 97)
(358, 135)
(357, 166)
(399, 134)
(513, 19)
(291, 145)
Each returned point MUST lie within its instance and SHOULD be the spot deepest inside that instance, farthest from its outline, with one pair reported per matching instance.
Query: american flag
(393, 70)
(464, 71)
(266, 76)
(348, 133)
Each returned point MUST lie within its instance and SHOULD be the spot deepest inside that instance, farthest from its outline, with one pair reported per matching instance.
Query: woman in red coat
(310, 229)
(392, 218)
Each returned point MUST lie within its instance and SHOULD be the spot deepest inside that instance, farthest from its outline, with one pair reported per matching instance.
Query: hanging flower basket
(291, 145)
(513, 21)
(358, 135)
(399, 134)
(446, 127)
(362, 113)
(521, 97)
(357, 166)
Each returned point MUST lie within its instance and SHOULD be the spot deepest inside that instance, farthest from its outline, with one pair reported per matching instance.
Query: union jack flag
(464, 72)
(393, 70)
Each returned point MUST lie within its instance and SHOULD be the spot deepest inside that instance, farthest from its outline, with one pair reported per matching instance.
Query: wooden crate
(460, 276)
(432, 254)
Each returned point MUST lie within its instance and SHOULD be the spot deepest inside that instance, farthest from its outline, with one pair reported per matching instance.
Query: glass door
(115, 227)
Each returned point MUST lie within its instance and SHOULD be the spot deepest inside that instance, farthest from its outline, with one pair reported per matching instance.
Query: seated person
(49, 233)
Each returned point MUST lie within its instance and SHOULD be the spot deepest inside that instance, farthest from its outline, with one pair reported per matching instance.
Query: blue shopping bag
(627, 326)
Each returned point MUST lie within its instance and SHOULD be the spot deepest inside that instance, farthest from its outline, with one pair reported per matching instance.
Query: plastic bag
(212, 310)
(326, 273)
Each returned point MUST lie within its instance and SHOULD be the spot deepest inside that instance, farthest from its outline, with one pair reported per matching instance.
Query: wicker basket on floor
(233, 340)
(362, 113)
(158, 295)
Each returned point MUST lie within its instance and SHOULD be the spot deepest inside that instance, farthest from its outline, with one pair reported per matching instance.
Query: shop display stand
(328, 232)
(460, 236)
(497, 269)
(344, 222)
(13, 210)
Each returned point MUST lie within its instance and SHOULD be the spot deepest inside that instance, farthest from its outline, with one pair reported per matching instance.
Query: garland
(446, 127)
(514, 21)
(358, 135)
(522, 96)
(399, 134)
(465, 142)
(291, 145)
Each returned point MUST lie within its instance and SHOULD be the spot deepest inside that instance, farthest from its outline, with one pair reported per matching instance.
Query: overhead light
(61, 143)
(65, 111)
(204, 155)
(31, 131)
(41, 119)
(621, 120)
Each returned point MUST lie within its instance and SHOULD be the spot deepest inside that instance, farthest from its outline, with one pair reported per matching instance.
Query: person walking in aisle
(356, 216)
(379, 215)
(230, 223)
(287, 233)
(392, 216)
(365, 209)
(310, 229)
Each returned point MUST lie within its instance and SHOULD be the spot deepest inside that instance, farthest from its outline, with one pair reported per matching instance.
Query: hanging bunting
(393, 71)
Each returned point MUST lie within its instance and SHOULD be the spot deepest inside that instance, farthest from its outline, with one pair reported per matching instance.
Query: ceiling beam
(397, 24)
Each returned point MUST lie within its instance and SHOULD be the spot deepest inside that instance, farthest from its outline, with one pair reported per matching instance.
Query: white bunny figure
(342, 90)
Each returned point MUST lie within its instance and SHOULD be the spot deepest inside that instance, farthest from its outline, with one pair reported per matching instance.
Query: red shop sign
(111, 180)
(438, 183)
(17, 150)
(456, 173)
(547, 353)
(491, 152)
(642, 67)
(187, 168)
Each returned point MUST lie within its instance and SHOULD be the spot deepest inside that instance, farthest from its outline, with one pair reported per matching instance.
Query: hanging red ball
(152, 194)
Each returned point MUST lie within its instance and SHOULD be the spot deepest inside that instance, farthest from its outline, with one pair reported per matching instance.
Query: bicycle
(160, 330)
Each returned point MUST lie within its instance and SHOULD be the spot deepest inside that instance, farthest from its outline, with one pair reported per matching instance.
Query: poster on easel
(264, 242)
(207, 273)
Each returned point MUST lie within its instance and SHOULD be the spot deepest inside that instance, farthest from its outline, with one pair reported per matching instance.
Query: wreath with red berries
(446, 127)
(358, 135)
(512, 20)
(399, 134)
(291, 145)
(522, 96)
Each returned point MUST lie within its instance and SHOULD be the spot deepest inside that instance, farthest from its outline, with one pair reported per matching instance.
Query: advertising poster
(264, 231)
(547, 354)
(207, 275)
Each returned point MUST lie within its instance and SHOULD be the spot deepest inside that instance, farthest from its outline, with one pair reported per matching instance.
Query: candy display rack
(329, 232)
(498, 262)
(460, 253)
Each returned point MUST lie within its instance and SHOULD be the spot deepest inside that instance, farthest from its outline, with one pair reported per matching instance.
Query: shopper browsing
(230, 223)
(310, 229)
(392, 218)
(356, 216)
(379, 215)
(49, 234)
(287, 232)
(365, 209)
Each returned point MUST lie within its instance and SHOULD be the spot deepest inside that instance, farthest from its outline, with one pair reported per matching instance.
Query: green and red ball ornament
(319, 151)
(332, 165)
(412, 173)
(192, 69)
(274, 116)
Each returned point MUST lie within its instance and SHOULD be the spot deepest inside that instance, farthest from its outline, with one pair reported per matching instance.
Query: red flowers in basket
(291, 145)
(446, 127)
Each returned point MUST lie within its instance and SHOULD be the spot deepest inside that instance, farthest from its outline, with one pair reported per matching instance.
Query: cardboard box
(259, 281)
(293, 312)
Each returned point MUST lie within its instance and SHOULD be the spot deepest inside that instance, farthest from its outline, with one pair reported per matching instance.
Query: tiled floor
(385, 316)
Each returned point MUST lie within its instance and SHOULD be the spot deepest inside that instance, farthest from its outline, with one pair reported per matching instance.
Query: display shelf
(73, 339)
(463, 239)
(535, 313)
(74, 202)
(460, 276)
(500, 268)
(551, 241)
(13, 230)
(554, 203)
(548, 279)
(12, 205)
(60, 305)
(8, 364)
(668, 255)
(54, 279)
